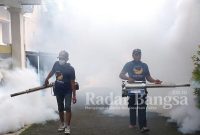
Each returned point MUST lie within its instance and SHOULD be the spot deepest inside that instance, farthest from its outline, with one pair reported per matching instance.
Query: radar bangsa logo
(167, 102)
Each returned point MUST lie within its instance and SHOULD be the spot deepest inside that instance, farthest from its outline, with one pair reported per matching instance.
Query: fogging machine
(137, 87)
(39, 88)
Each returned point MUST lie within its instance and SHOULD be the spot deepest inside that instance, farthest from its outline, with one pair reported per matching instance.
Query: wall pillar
(17, 34)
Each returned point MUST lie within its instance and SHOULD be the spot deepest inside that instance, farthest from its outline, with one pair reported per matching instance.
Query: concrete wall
(5, 33)
(5, 51)
(12, 28)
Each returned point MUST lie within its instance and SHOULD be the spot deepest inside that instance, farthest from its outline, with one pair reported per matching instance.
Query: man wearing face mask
(133, 71)
(64, 89)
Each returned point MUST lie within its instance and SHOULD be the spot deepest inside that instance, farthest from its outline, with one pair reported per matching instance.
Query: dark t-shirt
(63, 86)
(136, 70)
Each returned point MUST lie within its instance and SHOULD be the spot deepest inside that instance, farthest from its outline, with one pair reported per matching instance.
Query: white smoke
(195, 84)
(16, 112)
(1, 77)
(184, 33)
(100, 36)
(187, 117)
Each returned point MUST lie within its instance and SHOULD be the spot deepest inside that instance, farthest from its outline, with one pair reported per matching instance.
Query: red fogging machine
(138, 87)
(39, 88)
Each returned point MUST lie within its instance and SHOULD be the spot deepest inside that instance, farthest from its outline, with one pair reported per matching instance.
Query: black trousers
(64, 102)
(137, 102)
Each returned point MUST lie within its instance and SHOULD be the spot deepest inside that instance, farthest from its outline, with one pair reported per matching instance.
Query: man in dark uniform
(137, 71)
(64, 89)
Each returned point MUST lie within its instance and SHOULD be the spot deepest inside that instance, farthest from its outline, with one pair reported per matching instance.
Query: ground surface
(93, 122)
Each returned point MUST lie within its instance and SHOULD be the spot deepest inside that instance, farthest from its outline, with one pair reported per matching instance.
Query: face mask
(62, 62)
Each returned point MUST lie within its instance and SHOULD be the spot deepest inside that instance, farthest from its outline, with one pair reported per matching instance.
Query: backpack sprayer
(140, 87)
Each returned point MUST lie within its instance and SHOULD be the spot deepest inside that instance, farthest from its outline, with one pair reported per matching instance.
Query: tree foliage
(196, 73)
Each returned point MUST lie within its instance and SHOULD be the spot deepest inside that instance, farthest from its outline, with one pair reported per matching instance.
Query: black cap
(136, 51)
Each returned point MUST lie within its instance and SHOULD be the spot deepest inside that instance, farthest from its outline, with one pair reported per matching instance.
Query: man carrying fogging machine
(137, 71)
(64, 89)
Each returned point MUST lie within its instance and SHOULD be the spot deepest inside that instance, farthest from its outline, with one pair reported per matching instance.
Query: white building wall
(12, 24)
(1, 40)
(5, 33)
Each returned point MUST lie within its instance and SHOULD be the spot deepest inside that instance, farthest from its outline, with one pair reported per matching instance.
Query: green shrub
(196, 74)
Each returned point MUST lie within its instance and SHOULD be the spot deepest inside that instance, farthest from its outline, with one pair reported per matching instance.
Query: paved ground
(91, 122)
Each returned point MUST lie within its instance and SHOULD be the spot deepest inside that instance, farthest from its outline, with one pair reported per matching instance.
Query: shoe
(61, 128)
(67, 130)
(144, 129)
(131, 126)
